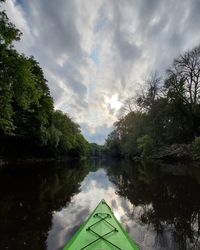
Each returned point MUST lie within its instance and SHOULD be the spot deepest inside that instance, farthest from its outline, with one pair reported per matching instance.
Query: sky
(97, 53)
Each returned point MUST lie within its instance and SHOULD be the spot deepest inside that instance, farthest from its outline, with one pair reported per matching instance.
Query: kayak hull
(101, 231)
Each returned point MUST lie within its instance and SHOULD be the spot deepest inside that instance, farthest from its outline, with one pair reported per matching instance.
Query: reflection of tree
(169, 200)
(28, 199)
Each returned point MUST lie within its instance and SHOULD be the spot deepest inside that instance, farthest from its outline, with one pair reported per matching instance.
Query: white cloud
(94, 53)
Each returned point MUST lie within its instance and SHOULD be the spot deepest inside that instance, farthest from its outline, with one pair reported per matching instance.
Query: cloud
(96, 133)
(92, 51)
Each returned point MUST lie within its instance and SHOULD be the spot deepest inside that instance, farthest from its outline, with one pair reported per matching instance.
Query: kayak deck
(101, 231)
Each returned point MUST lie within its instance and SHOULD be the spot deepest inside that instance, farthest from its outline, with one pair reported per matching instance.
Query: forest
(163, 120)
(29, 124)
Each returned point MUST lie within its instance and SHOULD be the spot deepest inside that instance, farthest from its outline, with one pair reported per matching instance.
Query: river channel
(42, 205)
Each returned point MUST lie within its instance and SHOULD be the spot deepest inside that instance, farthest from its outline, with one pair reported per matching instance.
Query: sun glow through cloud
(113, 102)
(94, 53)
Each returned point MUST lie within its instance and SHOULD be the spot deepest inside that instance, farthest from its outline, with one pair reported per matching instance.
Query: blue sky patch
(21, 2)
(95, 56)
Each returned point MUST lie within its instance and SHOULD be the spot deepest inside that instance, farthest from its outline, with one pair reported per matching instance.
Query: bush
(147, 146)
(195, 148)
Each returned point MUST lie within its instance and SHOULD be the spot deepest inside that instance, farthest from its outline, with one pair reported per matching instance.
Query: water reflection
(169, 203)
(94, 187)
(159, 204)
(29, 196)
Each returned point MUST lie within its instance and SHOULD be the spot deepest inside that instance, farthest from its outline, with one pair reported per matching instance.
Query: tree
(8, 31)
(195, 148)
(129, 105)
(146, 145)
(8, 34)
(81, 147)
(68, 130)
(169, 109)
(150, 92)
(95, 150)
(182, 88)
(112, 145)
(184, 77)
(123, 140)
(27, 115)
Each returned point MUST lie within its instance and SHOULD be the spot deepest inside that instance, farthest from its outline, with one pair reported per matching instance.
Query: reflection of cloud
(96, 181)
(65, 224)
(97, 186)
(114, 204)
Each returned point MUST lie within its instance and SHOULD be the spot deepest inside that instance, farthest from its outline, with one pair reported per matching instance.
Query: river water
(42, 205)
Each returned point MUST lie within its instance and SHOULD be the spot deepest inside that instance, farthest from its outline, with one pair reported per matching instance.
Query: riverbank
(25, 161)
(172, 153)
(35, 161)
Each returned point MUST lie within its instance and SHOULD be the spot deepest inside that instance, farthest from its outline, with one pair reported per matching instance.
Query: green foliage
(20, 91)
(8, 34)
(195, 148)
(8, 31)
(81, 147)
(53, 136)
(112, 145)
(146, 145)
(27, 115)
(166, 112)
(64, 137)
(68, 130)
(123, 140)
(95, 150)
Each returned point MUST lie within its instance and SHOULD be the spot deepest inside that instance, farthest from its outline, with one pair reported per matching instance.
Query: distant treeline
(164, 113)
(29, 125)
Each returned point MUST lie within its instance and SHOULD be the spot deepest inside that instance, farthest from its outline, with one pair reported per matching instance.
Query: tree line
(165, 112)
(28, 122)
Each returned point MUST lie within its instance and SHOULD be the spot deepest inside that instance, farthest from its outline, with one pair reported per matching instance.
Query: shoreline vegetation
(30, 127)
(161, 122)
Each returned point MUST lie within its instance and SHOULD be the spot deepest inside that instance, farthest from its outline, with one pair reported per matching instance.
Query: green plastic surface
(101, 222)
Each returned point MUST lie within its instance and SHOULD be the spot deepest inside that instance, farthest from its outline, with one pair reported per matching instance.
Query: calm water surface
(42, 206)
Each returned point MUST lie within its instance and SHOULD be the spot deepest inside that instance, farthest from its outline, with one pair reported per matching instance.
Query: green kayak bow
(101, 231)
